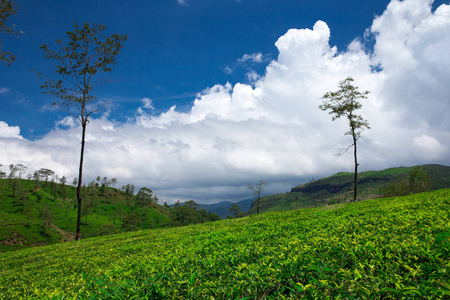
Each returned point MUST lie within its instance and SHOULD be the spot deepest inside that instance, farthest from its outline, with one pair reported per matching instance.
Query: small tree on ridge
(344, 102)
(257, 190)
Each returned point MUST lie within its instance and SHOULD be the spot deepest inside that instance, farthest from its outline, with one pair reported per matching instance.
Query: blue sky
(220, 93)
(173, 52)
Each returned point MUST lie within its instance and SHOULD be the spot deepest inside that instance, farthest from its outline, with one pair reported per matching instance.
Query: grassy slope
(338, 188)
(388, 248)
(16, 232)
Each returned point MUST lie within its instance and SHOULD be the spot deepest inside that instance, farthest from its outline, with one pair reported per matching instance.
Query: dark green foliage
(145, 197)
(131, 222)
(186, 213)
(236, 211)
(189, 212)
(7, 8)
(391, 248)
(417, 181)
(212, 217)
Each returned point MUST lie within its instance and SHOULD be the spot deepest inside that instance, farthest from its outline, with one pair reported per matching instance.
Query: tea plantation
(392, 248)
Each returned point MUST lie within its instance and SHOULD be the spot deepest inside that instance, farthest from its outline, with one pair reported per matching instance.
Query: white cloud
(272, 129)
(67, 121)
(147, 103)
(228, 70)
(182, 2)
(252, 76)
(255, 57)
(7, 131)
(428, 146)
(4, 91)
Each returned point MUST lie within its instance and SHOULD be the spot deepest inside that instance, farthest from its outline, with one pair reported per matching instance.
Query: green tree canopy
(7, 9)
(81, 65)
(344, 103)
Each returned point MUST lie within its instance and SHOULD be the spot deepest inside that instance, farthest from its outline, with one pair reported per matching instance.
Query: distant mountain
(338, 188)
(222, 208)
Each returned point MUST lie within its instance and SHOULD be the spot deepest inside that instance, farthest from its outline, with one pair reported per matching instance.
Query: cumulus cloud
(235, 134)
(7, 131)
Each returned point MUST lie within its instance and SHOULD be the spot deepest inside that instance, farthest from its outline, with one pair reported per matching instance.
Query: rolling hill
(390, 248)
(22, 204)
(338, 188)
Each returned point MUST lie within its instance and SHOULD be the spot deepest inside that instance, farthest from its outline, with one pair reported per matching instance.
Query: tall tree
(145, 198)
(257, 190)
(7, 8)
(81, 65)
(2, 174)
(46, 216)
(21, 169)
(344, 103)
(62, 186)
(13, 169)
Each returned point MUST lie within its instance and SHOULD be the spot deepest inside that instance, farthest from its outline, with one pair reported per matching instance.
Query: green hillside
(390, 248)
(22, 203)
(339, 188)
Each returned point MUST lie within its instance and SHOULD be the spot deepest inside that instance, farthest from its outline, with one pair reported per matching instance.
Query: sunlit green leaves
(390, 248)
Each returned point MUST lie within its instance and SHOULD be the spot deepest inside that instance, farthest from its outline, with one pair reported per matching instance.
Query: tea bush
(392, 248)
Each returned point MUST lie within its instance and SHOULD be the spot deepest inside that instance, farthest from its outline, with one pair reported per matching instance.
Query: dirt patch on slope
(66, 236)
(16, 239)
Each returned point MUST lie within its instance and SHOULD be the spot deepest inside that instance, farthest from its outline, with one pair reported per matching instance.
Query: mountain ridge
(338, 188)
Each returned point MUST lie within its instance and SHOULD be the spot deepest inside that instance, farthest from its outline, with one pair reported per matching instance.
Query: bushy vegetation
(40, 212)
(44, 212)
(391, 248)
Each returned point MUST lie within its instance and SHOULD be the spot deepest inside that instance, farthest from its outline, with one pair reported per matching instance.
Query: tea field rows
(392, 248)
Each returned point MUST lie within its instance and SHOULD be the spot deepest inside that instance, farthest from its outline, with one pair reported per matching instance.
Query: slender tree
(344, 103)
(46, 217)
(257, 190)
(62, 187)
(7, 8)
(12, 171)
(21, 170)
(81, 65)
(2, 174)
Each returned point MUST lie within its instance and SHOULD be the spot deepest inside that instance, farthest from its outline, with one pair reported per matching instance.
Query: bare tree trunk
(355, 183)
(80, 179)
(257, 206)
